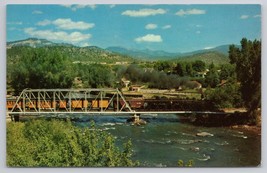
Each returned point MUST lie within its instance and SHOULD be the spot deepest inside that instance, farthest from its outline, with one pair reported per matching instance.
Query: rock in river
(204, 134)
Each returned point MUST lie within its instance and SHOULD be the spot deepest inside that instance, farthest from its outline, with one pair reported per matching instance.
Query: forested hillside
(85, 54)
(207, 57)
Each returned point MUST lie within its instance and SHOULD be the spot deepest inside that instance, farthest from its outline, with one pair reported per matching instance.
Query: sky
(171, 28)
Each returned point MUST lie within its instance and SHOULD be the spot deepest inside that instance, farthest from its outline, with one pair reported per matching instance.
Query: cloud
(13, 29)
(14, 23)
(92, 6)
(66, 5)
(79, 6)
(44, 23)
(143, 12)
(244, 17)
(151, 26)
(209, 47)
(258, 15)
(190, 12)
(84, 44)
(37, 12)
(149, 38)
(166, 27)
(67, 24)
(74, 37)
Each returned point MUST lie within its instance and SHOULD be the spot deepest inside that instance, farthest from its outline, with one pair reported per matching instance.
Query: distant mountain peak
(34, 42)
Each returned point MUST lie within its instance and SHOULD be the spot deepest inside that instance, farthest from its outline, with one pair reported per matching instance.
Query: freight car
(58, 104)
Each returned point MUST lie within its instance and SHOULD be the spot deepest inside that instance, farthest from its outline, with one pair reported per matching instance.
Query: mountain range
(146, 54)
(160, 55)
(217, 54)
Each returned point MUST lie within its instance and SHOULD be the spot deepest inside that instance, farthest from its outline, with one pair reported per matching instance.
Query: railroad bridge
(37, 101)
(89, 101)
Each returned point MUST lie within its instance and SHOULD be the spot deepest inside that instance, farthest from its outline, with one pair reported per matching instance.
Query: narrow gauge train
(134, 103)
(58, 104)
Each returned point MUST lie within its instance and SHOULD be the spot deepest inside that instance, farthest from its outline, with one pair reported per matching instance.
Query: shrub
(41, 143)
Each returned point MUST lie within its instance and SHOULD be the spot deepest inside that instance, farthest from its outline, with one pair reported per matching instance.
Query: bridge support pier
(15, 118)
(136, 120)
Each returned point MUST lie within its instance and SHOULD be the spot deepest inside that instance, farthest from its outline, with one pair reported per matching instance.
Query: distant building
(135, 88)
(125, 82)
(120, 63)
(202, 74)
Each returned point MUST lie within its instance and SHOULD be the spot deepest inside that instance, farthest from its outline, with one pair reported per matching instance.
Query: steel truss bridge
(79, 101)
(69, 101)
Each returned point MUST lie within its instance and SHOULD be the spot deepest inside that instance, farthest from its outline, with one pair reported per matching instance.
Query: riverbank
(241, 121)
(254, 129)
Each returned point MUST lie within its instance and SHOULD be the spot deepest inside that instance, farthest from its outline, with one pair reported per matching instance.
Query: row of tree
(213, 74)
(181, 68)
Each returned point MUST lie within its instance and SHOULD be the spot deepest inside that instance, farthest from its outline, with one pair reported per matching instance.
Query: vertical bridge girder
(70, 101)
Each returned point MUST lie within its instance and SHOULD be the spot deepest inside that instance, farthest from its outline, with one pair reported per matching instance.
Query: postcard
(133, 85)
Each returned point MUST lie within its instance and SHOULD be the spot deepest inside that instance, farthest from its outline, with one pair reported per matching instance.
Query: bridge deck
(119, 113)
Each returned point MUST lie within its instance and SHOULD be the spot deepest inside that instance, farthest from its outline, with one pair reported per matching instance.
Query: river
(165, 139)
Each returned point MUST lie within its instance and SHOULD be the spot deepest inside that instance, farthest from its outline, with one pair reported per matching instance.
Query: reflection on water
(165, 140)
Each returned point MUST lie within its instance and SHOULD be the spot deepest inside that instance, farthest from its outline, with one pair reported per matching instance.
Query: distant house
(190, 85)
(196, 84)
(125, 82)
(135, 88)
(120, 63)
(202, 74)
(77, 82)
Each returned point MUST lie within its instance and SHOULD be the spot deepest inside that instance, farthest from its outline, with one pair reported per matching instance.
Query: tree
(99, 76)
(247, 61)
(180, 69)
(227, 71)
(163, 66)
(199, 66)
(40, 68)
(189, 69)
(134, 73)
(212, 78)
(226, 96)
